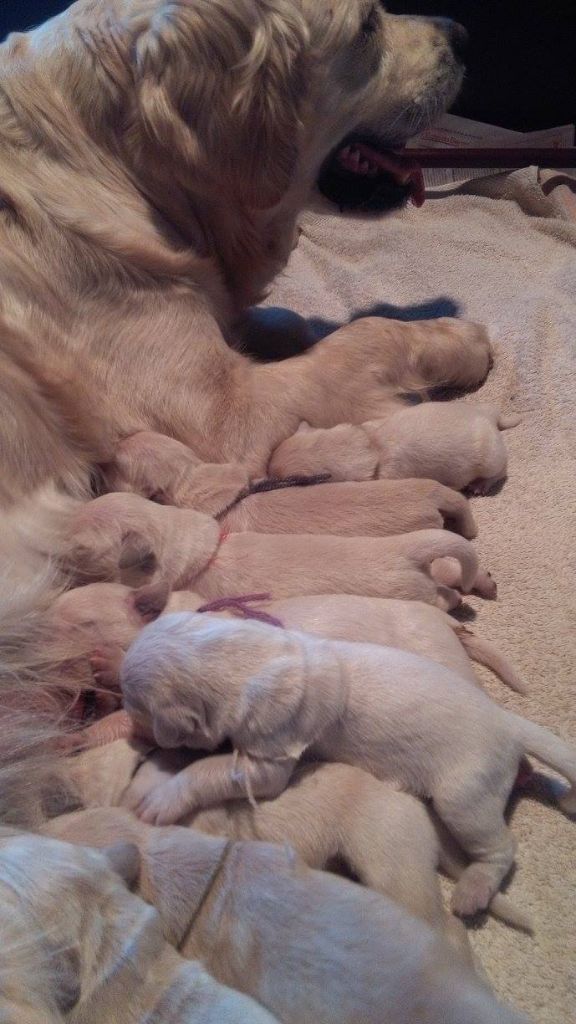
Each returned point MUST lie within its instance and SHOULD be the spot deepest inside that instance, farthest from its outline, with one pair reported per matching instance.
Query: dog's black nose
(457, 36)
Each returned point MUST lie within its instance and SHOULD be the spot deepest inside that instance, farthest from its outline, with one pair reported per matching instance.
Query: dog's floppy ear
(151, 600)
(221, 86)
(270, 717)
(124, 859)
(173, 726)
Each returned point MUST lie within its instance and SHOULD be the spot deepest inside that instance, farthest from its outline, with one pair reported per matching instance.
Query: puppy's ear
(149, 602)
(272, 723)
(221, 86)
(136, 556)
(175, 725)
(124, 859)
(66, 965)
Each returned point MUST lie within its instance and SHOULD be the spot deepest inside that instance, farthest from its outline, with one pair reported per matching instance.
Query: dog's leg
(364, 365)
(209, 782)
(357, 374)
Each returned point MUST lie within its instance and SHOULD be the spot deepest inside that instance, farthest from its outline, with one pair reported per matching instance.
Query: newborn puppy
(329, 813)
(119, 534)
(307, 945)
(155, 466)
(104, 615)
(334, 813)
(291, 565)
(78, 946)
(378, 509)
(456, 443)
(277, 694)
(158, 467)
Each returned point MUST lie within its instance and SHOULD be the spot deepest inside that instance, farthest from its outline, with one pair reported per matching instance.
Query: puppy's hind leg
(447, 598)
(457, 513)
(387, 839)
(476, 819)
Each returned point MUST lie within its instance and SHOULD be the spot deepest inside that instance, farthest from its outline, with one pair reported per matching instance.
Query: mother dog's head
(225, 110)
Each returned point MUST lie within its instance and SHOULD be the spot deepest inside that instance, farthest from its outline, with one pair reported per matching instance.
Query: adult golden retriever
(154, 157)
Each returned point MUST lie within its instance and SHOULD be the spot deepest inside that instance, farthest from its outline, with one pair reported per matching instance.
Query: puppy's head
(195, 680)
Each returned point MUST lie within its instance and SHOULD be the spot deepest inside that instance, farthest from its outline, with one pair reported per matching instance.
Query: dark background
(522, 59)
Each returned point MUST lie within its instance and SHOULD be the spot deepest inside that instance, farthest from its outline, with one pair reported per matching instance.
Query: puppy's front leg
(208, 782)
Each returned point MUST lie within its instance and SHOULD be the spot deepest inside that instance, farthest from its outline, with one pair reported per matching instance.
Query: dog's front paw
(473, 334)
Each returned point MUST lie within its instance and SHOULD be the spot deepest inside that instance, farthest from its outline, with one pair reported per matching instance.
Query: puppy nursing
(114, 536)
(159, 467)
(110, 615)
(276, 694)
(457, 443)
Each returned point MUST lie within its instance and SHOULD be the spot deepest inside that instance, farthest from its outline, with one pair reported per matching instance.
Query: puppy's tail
(553, 751)
(487, 654)
(507, 420)
(425, 546)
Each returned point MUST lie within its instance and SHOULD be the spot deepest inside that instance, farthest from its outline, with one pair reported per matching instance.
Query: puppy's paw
(473, 892)
(105, 665)
(163, 805)
(482, 487)
(485, 586)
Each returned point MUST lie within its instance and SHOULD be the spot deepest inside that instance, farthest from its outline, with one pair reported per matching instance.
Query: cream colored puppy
(378, 509)
(277, 694)
(153, 465)
(78, 946)
(159, 467)
(457, 443)
(292, 565)
(305, 944)
(119, 535)
(335, 813)
(329, 813)
(103, 615)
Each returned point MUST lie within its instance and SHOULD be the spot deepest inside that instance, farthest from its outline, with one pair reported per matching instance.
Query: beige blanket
(500, 250)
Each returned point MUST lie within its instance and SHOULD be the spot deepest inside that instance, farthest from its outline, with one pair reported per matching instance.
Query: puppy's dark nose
(457, 36)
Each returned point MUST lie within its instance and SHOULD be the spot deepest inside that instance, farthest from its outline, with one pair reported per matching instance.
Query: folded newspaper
(460, 132)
